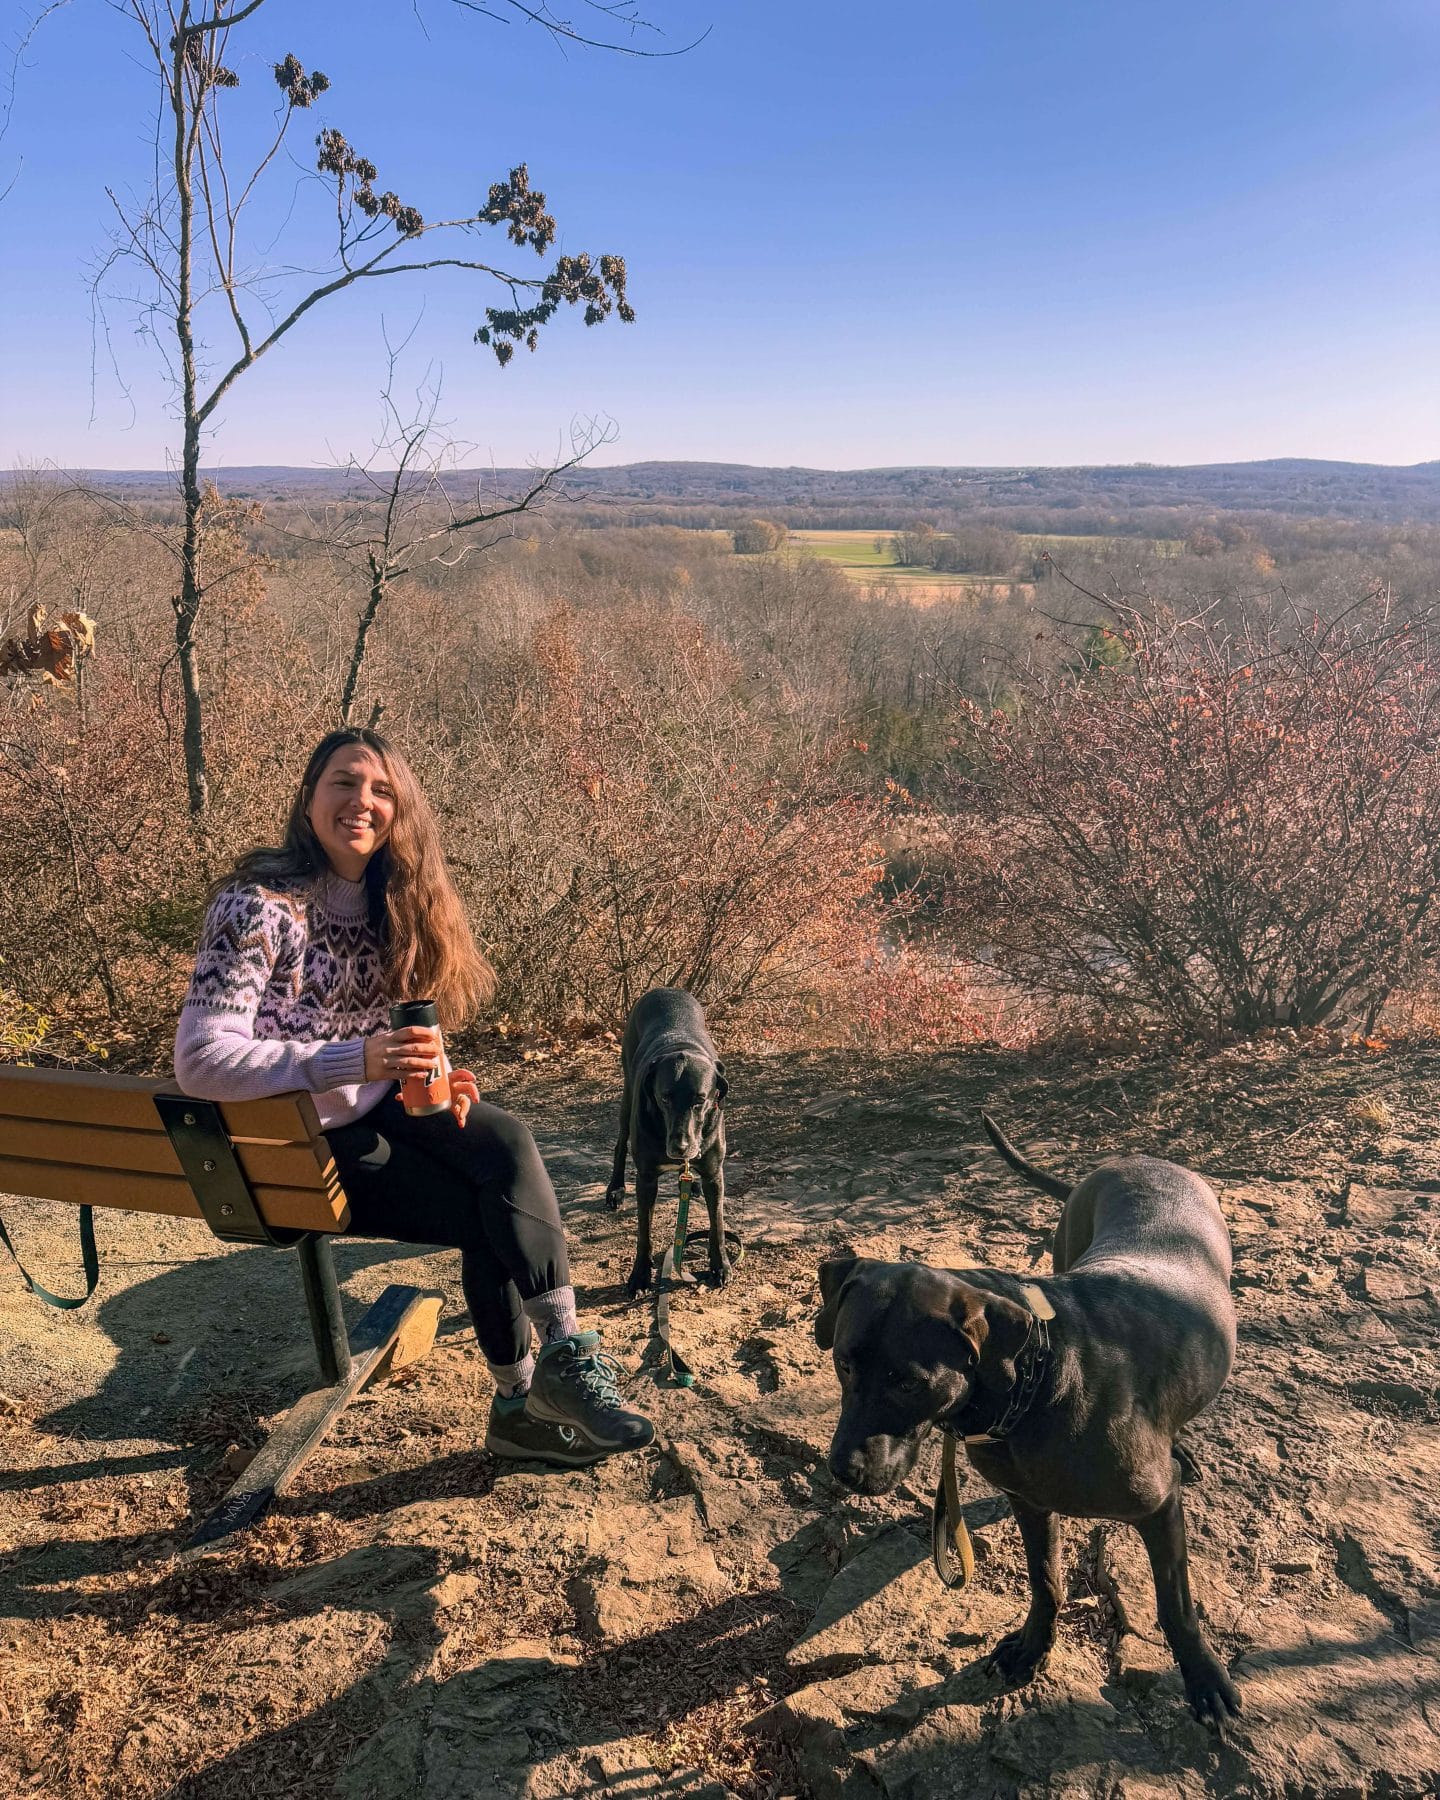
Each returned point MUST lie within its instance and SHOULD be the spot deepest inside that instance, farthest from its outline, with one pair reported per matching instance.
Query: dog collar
(1030, 1367)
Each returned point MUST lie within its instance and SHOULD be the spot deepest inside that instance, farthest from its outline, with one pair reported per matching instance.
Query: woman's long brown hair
(430, 951)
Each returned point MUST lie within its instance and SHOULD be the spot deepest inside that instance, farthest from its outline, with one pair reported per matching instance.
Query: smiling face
(351, 809)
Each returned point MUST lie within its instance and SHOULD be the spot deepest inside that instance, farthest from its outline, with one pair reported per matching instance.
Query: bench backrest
(98, 1140)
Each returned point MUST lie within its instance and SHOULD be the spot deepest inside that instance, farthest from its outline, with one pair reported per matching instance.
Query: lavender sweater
(288, 984)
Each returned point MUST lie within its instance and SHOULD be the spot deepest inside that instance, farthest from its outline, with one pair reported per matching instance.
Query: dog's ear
(645, 1093)
(994, 1328)
(722, 1086)
(834, 1273)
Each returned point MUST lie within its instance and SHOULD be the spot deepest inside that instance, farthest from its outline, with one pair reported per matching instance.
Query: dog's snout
(848, 1468)
(871, 1465)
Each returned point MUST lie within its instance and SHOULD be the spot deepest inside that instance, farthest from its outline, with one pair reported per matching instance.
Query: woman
(303, 951)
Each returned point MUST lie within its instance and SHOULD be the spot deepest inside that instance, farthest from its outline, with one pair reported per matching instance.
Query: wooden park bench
(257, 1172)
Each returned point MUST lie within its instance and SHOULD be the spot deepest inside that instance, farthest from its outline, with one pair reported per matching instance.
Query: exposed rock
(648, 1563)
(1315, 1536)
(941, 1759)
(454, 1590)
(722, 1500)
(1377, 1207)
(521, 1659)
(390, 1761)
(886, 1694)
(1422, 1626)
(800, 1417)
(1387, 1284)
(887, 1605)
(1042, 1742)
(474, 1763)
(1387, 1528)
(378, 1577)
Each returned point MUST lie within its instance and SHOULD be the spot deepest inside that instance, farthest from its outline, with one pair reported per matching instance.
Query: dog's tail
(1047, 1184)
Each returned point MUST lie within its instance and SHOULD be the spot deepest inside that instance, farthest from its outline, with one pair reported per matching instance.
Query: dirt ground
(714, 1615)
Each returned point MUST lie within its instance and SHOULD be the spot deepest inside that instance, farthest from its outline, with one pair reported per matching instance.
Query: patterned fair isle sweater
(288, 984)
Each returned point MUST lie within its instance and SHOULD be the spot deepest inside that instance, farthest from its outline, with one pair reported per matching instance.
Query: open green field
(855, 555)
(851, 549)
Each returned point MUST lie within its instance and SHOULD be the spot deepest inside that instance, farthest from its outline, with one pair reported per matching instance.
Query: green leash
(673, 1273)
(88, 1256)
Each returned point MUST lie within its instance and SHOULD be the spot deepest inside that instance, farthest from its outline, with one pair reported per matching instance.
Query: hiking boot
(512, 1432)
(574, 1386)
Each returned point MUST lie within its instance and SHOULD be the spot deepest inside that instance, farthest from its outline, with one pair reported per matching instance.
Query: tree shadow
(490, 1723)
(485, 1725)
(205, 1350)
(204, 1329)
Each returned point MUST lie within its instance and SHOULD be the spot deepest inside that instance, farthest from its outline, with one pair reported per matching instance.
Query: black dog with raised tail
(1068, 1392)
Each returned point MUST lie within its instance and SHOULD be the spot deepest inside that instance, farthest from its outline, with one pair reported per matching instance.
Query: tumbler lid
(413, 1012)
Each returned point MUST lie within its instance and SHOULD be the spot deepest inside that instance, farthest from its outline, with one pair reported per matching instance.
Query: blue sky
(984, 231)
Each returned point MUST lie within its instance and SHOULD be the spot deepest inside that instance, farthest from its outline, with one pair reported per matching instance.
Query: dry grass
(1372, 1111)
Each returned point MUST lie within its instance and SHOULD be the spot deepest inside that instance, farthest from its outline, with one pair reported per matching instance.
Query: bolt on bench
(257, 1172)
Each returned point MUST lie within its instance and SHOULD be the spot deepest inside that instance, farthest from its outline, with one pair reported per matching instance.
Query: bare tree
(423, 508)
(199, 283)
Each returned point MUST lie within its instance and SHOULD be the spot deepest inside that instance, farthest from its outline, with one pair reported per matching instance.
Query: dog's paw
(720, 1273)
(641, 1277)
(1020, 1655)
(1210, 1691)
(615, 1198)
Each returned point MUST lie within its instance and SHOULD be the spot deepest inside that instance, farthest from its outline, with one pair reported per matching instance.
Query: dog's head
(685, 1092)
(911, 1345)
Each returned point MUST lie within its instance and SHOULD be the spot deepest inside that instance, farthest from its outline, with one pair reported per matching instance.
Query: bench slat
(71, 1099)
(70, 1096)
(298, 1209)
(151, 1153)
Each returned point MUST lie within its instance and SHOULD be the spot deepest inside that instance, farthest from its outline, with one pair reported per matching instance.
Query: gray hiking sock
(512, 1379)
(553, 1314)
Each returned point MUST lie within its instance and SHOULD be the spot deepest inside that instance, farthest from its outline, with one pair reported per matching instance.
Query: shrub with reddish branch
(1225, 830)
(629, 821)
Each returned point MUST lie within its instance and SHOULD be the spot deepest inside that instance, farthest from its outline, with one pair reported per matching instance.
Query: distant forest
(1135, 499)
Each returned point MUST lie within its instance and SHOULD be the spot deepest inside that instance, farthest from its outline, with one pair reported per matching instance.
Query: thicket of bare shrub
(629, 820)
(658, 761)
(623, 805)
(1227, 829)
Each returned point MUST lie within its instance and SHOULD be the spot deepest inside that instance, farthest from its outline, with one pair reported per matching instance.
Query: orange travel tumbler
(429, 1093)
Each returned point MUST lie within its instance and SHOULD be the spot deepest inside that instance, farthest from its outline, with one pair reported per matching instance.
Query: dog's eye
(909, 1385)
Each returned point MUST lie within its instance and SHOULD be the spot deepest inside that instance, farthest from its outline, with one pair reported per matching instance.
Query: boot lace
(598, 1374)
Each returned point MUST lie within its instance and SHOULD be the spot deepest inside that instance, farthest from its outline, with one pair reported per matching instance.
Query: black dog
(672, 1113)
(1142, 1339)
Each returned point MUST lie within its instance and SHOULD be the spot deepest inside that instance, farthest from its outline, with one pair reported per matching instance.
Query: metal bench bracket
(207, 1156)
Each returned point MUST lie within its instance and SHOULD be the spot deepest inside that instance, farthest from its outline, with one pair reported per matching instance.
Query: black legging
(482, 1191)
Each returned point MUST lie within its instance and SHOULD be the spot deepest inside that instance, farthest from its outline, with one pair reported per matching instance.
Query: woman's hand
(464, 1093)
(396, 1055)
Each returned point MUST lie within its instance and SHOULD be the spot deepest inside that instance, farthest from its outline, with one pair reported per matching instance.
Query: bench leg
(322, 1301)
(276, 1463)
